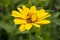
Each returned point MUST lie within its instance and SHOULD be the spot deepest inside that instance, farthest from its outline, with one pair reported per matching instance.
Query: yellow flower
(26, 17)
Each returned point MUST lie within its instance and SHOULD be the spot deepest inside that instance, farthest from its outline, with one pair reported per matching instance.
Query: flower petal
(16, 14)
(25, 9)
(19, 21)
(33, 9)
(33, 18)
(42, 14)
(43, 22)
(36, 25)
(44, 17)
(20, 10)
(28, 26)
(22, 28)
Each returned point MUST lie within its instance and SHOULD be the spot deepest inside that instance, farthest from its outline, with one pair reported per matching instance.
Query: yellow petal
(43, 22)
(36, 25)
(33, 9)
(20, 10)
(25, 9)
(19, 21)
(42, 14)
(28, 26)
(33, 18)
(16, 14)
(22, 28)
(44, 17)
(29, 15)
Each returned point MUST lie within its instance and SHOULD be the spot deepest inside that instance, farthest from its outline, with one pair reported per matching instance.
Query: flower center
(29, 20)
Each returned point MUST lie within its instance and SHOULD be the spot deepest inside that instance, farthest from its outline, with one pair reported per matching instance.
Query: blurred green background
(10, 31)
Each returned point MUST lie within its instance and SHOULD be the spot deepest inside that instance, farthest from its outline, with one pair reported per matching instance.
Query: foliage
(9, 31)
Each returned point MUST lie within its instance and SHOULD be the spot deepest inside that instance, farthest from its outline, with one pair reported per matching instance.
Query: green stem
(38, 37)
(51, 1)
(37, 34)
(30, 36)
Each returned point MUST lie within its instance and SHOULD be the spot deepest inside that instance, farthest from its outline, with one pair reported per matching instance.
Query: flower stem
(37, 34)
(30, 36)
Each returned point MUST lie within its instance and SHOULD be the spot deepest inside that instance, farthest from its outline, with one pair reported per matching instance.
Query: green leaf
(8, 27)
(56, 21)
(57, 4)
